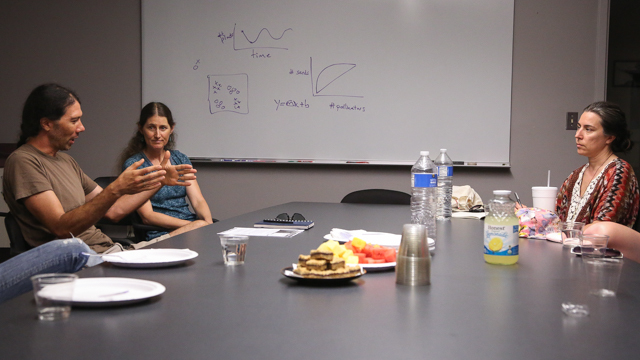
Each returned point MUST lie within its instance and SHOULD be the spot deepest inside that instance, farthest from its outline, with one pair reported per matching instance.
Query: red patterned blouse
(611, 196)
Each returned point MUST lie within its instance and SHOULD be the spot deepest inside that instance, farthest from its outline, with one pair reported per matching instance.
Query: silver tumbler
(413, 262)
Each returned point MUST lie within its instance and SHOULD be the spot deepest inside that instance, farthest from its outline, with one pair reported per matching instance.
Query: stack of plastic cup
(413, 262)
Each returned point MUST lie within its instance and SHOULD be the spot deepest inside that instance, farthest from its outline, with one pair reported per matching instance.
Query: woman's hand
(177, 174)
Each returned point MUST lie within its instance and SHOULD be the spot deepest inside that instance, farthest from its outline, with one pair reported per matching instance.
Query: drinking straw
(548, 178)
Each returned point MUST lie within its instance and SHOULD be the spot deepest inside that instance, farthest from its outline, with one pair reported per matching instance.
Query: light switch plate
(572, 121)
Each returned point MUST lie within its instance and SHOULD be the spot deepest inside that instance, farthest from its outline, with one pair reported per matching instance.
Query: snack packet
(535, 222)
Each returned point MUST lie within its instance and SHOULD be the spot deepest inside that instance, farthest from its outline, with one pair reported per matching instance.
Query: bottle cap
(501, 192)
(443, 150)
(424, 153)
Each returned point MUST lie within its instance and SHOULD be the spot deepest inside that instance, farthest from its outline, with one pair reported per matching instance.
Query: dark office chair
(132, 220)
(18, 244)
(377, 196)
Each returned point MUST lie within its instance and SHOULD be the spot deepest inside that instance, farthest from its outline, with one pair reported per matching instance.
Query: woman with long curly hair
(168, 208)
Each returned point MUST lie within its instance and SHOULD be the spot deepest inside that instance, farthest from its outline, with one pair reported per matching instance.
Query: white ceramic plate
(150, 258)
(108, 291)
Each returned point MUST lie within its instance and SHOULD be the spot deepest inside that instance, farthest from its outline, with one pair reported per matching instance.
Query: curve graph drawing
(263, 40)
(327, 76)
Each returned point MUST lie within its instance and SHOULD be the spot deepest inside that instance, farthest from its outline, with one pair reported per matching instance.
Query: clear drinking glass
(234, 248)
(603, 275)
(53, 294)
(593, 245)
(571, 233)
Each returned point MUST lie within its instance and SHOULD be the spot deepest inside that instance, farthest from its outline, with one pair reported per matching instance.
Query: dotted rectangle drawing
(229, 93)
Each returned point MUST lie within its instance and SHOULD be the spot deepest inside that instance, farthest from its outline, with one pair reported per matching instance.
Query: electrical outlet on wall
(572, 121)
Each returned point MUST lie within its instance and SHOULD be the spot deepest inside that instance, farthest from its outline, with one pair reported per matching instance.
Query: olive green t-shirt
(27, 172)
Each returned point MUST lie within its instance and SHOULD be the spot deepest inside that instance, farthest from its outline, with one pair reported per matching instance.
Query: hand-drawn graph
(321, 84)
(229, 93)
(263, 40)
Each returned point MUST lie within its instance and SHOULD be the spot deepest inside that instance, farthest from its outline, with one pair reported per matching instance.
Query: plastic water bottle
(445, 185)
(501, 230)
(424, 188)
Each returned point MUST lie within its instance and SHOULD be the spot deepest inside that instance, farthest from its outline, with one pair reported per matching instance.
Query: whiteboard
(365, 81)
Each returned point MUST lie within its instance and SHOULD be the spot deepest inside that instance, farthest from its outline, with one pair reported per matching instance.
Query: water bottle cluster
(431, 188)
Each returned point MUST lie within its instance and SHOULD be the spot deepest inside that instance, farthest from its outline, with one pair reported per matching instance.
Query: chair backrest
(18, 244)
(104, 181)
(133, 219)
(377, 196)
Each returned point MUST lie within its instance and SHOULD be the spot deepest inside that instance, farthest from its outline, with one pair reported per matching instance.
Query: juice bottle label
(501, 239)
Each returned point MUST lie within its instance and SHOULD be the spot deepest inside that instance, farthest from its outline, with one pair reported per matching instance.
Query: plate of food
(323, 277)
(323, 267)
(371, 257)
(373, 238)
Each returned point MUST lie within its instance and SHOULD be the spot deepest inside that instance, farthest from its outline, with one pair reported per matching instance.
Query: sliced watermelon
(378, 253)
(390, 255)
(368, 250)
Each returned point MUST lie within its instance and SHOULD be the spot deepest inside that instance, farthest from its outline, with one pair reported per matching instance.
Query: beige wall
(94, 48)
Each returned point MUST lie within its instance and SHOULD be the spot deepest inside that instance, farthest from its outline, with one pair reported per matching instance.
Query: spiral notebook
(284, 224)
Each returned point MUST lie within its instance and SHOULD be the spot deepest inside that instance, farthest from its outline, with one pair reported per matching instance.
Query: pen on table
(517, 198)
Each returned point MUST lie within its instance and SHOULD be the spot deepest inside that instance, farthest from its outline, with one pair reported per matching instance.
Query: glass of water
(53, 294)
(571, 233)
(234, 248)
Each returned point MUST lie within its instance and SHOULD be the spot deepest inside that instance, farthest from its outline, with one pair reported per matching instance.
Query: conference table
(471, 310)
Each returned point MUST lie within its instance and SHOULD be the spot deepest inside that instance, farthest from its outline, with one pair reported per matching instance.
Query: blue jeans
(58, 256)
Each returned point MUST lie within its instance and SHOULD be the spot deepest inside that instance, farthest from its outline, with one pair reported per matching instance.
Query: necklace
(601, 165)
(149, 157)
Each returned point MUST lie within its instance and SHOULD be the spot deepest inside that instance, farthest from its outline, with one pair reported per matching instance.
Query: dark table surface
(471, 310)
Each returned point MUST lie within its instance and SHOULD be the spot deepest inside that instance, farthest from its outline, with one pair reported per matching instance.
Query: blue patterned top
(169, 200)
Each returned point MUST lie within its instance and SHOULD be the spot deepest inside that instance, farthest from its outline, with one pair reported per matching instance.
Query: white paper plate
(555, 237)
(108, 291)
(150, 258)
(383, 239)
(379, 267)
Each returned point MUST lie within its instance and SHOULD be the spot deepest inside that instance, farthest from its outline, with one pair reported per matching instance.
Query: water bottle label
(425, 180)
(501, 239)
(445, 170)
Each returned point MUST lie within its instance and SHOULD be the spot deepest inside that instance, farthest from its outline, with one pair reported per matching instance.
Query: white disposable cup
(544, 197)
(53, 294)
(234, 248)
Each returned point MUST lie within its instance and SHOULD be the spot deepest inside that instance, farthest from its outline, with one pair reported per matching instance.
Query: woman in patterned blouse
(605, 189)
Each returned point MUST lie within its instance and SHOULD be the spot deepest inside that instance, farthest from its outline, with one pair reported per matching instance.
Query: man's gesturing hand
(134, 180)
